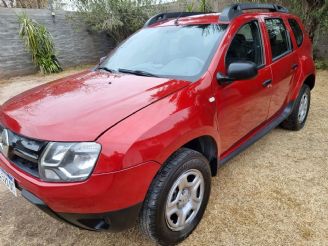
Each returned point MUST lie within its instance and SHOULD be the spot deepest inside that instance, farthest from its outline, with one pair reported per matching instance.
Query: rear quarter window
(298, 33)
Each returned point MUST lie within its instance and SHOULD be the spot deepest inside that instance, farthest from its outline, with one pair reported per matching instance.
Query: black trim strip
(285, 113)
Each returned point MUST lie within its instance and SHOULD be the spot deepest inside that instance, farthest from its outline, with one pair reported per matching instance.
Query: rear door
(243, 105)
(284, 63)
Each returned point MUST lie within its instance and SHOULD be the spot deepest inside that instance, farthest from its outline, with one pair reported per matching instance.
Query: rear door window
(279, 37)
(298, 33)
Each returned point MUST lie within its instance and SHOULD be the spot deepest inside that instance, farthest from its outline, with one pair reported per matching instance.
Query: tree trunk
(4, 3)
(314, 11)
(9, 4)
(313, 26)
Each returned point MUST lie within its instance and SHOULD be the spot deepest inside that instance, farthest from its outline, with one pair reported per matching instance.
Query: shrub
(118, 18)
(39, 43)
(321, 64)
(200, 5)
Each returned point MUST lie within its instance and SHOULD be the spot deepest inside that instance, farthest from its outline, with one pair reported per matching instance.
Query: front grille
(24, 152)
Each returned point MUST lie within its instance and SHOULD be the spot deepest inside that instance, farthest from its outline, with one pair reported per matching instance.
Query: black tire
(293, 122)
(153, 221)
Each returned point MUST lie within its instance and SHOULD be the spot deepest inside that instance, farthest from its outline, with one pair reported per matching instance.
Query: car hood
(83, 106)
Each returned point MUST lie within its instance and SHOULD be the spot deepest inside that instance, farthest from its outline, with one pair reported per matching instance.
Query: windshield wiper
(106, 69)
(136, 72)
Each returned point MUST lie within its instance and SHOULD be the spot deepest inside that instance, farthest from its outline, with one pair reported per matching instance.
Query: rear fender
(307, 68)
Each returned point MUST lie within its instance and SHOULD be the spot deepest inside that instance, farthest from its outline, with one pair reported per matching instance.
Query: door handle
(294, 66)
(267, 83)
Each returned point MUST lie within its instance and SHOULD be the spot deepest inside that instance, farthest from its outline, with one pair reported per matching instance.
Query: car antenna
(176, 22)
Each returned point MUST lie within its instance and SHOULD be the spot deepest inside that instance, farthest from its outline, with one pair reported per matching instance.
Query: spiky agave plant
(40, 44)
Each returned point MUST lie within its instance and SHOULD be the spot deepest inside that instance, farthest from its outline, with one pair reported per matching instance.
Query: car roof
(214, 18)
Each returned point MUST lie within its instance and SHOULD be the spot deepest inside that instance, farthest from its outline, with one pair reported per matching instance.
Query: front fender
(157, 131)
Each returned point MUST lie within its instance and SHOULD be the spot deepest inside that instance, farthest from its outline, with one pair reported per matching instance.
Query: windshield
(178, 52)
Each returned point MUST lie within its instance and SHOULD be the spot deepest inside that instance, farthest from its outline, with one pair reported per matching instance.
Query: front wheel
(177, 198)
(298, 117)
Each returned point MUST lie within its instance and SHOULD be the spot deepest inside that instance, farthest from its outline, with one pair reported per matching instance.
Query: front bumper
(113, 221)
(104, 201)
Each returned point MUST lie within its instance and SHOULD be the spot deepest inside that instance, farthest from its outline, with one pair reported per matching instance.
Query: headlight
(68, 162)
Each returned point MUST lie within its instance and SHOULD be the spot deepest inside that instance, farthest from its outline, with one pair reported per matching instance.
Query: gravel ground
(275, 193)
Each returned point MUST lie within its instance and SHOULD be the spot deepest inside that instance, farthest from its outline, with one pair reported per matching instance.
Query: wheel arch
(310, 81)
(207, 146)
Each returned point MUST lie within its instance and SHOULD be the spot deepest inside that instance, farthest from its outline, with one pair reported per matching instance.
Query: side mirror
(238, 71)
(102, 59)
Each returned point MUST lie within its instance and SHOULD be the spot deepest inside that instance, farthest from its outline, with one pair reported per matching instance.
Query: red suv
(140, 135)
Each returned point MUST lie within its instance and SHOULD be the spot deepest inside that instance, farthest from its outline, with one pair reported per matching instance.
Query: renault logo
(4, 142)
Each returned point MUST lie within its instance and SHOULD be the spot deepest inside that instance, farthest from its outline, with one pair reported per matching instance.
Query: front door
(243, 105)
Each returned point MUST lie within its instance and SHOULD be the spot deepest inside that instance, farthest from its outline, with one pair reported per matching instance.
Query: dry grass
(275, 193)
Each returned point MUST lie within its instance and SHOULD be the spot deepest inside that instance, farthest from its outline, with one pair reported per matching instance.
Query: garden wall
(75, 45)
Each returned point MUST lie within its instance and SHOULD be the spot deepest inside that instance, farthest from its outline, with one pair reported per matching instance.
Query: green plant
(321, 64)
(119, 18)
(37, 4)
(190, 6)
(202, 6)
(39, 43)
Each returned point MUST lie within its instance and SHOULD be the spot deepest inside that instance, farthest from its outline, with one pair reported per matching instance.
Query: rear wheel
(298, 117)
(177, 198)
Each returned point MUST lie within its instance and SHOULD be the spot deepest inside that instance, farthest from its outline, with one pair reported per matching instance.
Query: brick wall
(75, 45)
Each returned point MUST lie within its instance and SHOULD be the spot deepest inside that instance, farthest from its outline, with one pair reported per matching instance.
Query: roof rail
(231, 12)
(172, 15)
